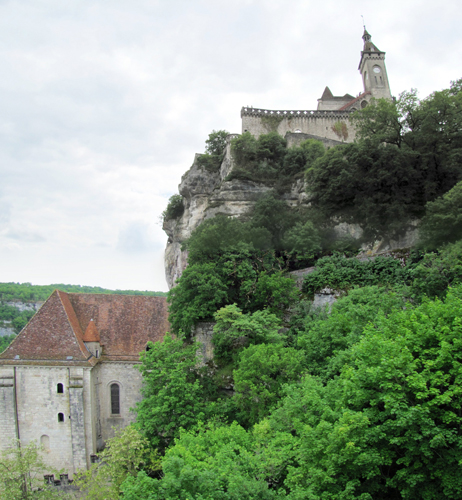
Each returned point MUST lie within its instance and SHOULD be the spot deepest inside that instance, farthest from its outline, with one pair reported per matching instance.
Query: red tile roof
(124, 324)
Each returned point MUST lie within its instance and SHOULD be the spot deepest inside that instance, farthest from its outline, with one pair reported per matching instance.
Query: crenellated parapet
(322, 124)
(339, 115)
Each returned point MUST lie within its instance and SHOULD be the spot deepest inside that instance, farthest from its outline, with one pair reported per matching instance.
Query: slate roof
(328, 96)
(122, 323)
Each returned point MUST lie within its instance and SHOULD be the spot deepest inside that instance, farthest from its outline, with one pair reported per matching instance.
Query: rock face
(206, 194)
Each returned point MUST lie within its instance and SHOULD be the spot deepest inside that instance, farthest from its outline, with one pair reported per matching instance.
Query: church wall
(314, 123)
(38, 406)
(129, 379)
(7, 408)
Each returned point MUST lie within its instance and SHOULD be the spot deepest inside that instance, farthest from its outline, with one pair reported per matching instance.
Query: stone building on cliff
(206, 194)
(331, 118)
(69, 377)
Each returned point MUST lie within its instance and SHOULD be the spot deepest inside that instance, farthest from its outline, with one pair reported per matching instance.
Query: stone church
(69, 377)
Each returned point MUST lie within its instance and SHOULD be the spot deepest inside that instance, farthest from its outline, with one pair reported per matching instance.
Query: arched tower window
(115, 399)
(60, 388)
(60, 417)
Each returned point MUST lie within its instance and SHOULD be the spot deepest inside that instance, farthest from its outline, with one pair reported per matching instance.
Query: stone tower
(373, 70)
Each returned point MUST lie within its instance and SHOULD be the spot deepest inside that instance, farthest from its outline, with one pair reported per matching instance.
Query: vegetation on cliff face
(362, 401)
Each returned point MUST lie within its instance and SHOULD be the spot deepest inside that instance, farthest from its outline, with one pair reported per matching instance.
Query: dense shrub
(175, 208)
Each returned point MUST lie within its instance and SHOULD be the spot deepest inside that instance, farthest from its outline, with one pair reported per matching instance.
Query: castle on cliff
(331, 120)
(69, 377)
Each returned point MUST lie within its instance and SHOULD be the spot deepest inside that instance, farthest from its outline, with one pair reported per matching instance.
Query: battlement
(249, 111)
(321, 124)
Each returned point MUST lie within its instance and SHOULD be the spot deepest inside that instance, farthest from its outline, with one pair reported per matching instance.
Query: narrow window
(115, 399)
(97, 354)
(60, 417)
(60, 388)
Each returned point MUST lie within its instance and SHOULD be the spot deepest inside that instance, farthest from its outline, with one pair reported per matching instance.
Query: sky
(103, 104)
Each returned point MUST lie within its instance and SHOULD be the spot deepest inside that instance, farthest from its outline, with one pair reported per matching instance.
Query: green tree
(235, 330)
(262, 370)
(390, 425)
(5, 341)
(175, 208)
(215, 462)
(438, 271)
(216, 142)
(199, 292)
(124, 455)
(442, 222)
(172, 392)
(21, 474)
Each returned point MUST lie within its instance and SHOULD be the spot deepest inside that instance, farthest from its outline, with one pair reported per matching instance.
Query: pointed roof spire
(91, 333)
(366, 36)
(327, 94)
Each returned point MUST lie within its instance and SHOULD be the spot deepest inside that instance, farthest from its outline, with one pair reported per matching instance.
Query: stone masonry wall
(7, 408)
(37, 395)
(130, 381)
(317, 123)
(77, 417)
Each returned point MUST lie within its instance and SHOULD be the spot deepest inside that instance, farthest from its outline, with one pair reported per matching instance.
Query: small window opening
(97, 353)
(375, 79)
(60, 417)
(60, 389)
(115, 399)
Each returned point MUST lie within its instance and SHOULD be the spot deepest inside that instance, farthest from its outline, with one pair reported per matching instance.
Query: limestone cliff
(206, 193)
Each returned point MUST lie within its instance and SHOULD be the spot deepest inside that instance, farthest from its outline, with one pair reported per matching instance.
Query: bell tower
(373, 70)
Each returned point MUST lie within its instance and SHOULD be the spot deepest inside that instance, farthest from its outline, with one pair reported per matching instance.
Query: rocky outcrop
(206, 194)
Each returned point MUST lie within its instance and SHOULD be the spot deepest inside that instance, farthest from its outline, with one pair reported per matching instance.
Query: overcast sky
(103, 104)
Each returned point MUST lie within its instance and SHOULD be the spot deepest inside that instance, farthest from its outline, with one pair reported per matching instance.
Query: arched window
(60, 417)
(115, 399)
(60, 388)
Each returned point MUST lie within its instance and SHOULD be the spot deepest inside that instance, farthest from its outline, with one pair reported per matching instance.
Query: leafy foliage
(216, 462)
(443, 219)
(175, 208)
(234, 330)
(172, 392)
(268, 160)
(124, 455)
(340, 273)
(21, 474)
(436, 272)
(26, 292)
(408, 154)
(259, 378)
(5, 341)
(216, 142)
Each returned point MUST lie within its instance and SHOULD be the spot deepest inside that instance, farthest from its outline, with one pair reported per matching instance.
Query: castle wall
(129, 379)
(317, 123)
(7, 408)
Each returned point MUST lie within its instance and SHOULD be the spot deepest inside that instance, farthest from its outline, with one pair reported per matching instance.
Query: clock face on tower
(376, 69)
